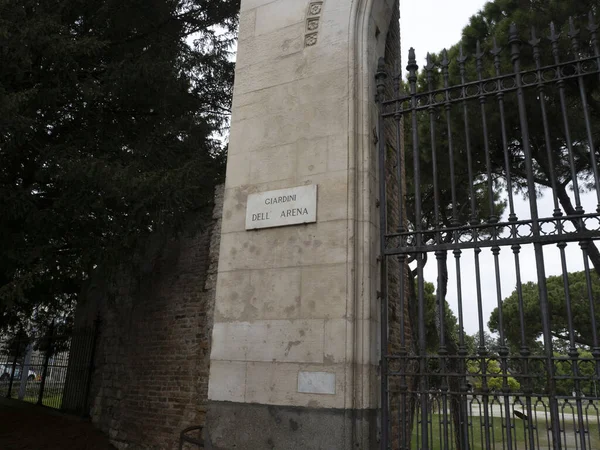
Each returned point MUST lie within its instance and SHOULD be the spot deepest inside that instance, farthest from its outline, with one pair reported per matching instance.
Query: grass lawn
(497, 435)
(52, 396)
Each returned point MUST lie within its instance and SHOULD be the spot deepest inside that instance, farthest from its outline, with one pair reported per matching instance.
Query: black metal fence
(492, 225)
(53, 370)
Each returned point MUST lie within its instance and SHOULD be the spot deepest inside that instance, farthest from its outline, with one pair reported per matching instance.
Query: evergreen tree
(109, 118)
(557, 306)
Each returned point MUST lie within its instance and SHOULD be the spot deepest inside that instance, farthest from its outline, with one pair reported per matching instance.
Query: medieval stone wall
(153, 354)
(394, 138)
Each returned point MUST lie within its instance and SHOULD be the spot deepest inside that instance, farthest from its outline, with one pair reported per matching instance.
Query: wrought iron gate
(494, 221)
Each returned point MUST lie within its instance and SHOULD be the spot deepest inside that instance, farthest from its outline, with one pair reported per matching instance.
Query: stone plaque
(282, 207)
(316, 383)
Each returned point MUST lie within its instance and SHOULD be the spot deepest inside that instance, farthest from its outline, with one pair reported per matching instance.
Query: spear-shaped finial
(381, 67)
(429, 70)
(554, 33)
(445, 62)
(573, 34)
(380, 78)
(462, 56)
(515, 43)
(478, 57)
(513, 33)
(478, 53)
(496, 53)
(592, 26)
(430, 65)
(534, 41)
(573, 31)
(495, 49)
(554, 37)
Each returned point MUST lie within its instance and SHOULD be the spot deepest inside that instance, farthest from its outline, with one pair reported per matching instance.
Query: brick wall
(153, 354)
(401, 406)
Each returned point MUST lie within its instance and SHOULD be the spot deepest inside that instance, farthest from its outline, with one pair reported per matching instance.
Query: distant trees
(557, 306)
(493, 383)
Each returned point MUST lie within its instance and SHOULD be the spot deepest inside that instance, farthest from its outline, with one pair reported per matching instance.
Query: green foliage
(557, 306)
(107, 135)
(483, 370)
(490, 343)
(486, 187)
(16, 345)
(582, 367)
(432, 314)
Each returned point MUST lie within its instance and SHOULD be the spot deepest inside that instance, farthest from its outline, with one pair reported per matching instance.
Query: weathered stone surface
(316, 383)
(301, 299)
(261, 427)
(269, 340)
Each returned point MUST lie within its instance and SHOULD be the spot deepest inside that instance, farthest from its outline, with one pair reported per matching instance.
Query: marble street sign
(282, 207)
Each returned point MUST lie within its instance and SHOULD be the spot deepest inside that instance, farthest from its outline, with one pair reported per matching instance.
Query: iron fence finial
(412, 66)
(430, 65)
(478, 59)
(380, 65)
(380, 78)
(445, 62)
(513, 34)
(429, 70)
(535, 41)
(412, 59)
(554, 33)
(592, 26)
(573, 35)
(573, 31)
(478, 53)
(495, 49)
(462, 56)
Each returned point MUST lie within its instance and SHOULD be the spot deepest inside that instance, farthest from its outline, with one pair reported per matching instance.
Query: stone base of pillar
(245, 426)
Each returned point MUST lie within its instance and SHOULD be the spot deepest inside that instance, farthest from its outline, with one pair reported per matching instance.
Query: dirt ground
(28, 427)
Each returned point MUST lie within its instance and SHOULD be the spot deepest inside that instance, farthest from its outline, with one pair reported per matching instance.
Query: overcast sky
(430, 26)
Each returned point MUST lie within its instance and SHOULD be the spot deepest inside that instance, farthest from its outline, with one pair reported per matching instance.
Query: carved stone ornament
(311, 39)
(315, 9)
(312, 24)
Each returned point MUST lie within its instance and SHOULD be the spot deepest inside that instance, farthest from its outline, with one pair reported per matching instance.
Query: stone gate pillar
(295, 340)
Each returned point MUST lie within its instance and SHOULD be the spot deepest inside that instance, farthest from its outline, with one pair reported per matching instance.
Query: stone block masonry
(295, 340)
(152, 364)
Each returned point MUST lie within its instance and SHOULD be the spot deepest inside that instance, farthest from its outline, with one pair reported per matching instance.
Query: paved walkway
(27, 427)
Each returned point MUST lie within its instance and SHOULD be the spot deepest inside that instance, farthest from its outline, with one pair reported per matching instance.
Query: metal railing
(53, 370)
(468, 147)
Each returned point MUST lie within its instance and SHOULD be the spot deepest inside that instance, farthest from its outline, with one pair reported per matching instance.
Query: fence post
(45, 369)
(88, 383)
(25, 372)
(14, 366)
